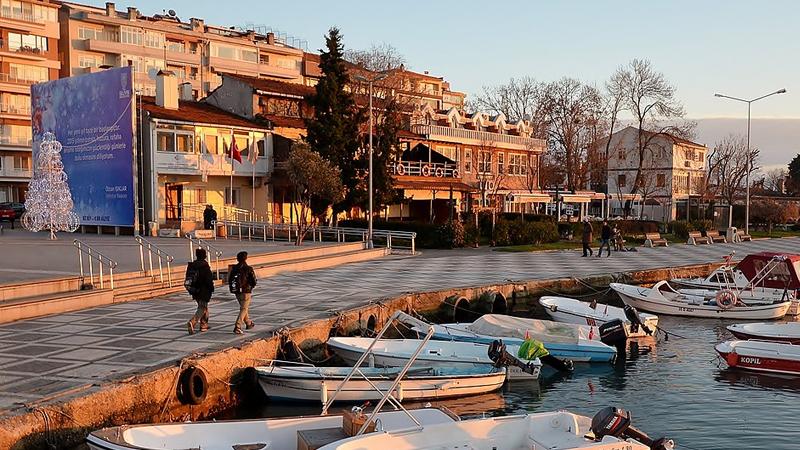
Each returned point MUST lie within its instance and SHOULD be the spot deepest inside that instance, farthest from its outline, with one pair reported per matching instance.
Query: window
(232, 199)
(22, 162)
(242, 143)
(621, 181)
(449, 152)
(137, 62)
(211, 144)
(132, 36)
(290, 64)
(88, 33)
(165, 141)
(516, 164)
(249, 56)
(90, 61)
(184, 143)
(153, 65)
(15, 134)
(241, 54)
(176, 47)
(661, 180)
(29, 73)
(262, 147)
(15, 103)
(621, 155)
(467, 160)
(153, 39)
(501, 163)
(28, 43)
(484, 162)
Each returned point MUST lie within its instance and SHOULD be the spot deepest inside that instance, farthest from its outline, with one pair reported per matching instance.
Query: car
(7, 214)
(18, 208)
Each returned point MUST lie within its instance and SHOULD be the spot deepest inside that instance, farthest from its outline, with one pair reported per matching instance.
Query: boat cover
(517, 327)
(784, 276)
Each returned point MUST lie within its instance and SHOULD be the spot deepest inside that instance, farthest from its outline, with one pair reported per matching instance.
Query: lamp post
(749, 159)
(370, 81)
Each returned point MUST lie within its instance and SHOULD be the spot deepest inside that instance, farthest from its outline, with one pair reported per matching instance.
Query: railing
(162, 256)
(15, 109)
(475, 135)
(426, 169)
(9, 13)
(214, 252)
(102, 261)
(8, 78)
(16, 140)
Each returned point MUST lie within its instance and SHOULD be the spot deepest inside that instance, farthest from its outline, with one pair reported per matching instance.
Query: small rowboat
(569, 310)
(779, 332)
(304, 383)
(663, 299)
(761, 356)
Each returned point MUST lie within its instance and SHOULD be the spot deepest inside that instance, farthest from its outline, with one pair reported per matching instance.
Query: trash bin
(730, 234)
(221, 230)
(152, 228)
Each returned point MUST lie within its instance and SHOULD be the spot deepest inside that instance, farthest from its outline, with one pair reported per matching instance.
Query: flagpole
(253, 161)
(230, 153)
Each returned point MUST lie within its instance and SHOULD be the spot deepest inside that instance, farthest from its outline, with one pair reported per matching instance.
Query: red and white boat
(761, 356)
(777, 332)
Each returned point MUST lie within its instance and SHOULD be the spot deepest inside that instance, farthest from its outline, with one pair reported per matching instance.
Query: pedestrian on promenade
(241, 281)
(199, 281)
(587, 238)
(605, 239)
(209, 217)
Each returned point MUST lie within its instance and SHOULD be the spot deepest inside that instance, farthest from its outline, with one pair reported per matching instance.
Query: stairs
(27, 300)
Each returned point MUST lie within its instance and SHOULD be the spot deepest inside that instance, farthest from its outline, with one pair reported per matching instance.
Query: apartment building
(672, 172)
(29, 36)
(195, 52)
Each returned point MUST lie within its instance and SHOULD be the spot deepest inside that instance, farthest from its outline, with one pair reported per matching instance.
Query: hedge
(522, 232)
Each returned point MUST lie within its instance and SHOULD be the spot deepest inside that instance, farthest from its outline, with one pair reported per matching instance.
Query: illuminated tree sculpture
(48, 204)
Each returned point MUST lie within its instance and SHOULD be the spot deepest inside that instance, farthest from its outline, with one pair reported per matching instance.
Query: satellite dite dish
(171, 12)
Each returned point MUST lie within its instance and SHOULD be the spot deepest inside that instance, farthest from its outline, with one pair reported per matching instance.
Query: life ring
(192, 386)
(456, 173)
(726, 299)
(400, 169)
(732, 359)
(426, 170)
(439, 172)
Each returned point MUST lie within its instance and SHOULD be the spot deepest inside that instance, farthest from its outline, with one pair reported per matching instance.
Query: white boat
(779, 332)
(663, 299)
(304, 383)
(446, 354)
(761, 356)
(570, 310)
(549, 430)
(261, 434)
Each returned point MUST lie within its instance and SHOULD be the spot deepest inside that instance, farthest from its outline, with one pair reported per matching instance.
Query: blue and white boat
(578, 343)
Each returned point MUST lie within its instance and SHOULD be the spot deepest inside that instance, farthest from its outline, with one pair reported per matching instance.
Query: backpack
(239, 279)
(190, 282)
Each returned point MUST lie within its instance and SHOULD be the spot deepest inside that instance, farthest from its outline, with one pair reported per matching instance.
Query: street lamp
(370, 81)
(749, 159)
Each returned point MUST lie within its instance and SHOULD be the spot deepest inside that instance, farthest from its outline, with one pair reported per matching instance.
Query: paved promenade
(47, 357)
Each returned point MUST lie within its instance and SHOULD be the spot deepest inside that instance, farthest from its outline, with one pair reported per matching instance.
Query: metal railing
(426, 169)
(476, 135)
(213, 252)
(162, 256)
(9, 78)
(102, 261)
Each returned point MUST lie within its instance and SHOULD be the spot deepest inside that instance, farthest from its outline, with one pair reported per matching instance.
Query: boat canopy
(783, 276)
(518, 327)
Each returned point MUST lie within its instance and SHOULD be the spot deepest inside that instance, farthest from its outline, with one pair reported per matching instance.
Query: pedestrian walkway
(47, 357)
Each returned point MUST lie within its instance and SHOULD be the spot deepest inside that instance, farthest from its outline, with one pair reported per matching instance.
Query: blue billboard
(92, 116)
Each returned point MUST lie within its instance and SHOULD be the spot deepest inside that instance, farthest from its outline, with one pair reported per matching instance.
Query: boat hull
(583, 315)
(782, 332)
(772, 357)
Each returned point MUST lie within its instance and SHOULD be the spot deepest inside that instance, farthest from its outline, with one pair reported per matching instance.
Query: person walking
(209, 217)
(199, 281)
(587, 239)
(605, 239)
(241, 281)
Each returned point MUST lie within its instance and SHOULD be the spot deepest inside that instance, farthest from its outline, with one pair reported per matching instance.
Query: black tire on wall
(192, 386)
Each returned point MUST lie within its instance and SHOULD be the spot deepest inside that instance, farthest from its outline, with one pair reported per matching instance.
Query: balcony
(278, 71)
(9, 13)
(16, 141)
(473, 137)
(186, 57)
(199, 163)
(14, 174)
(426, 169)
(8, 78)
(15, 110)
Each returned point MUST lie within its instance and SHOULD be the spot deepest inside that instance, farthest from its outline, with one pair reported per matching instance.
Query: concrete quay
(65, 374)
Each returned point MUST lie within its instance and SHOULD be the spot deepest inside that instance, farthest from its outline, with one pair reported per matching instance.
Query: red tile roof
(285, 122)
(274, 86)
(198, 112)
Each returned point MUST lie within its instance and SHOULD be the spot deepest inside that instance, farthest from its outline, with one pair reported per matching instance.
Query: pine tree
(384, 155)
(334, 130)
(794, 174)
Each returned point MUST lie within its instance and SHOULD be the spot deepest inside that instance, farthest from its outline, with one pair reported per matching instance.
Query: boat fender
(732, 359)
(726, 299)
(192, 386)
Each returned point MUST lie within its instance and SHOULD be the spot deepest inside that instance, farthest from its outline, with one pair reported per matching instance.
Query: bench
(696, 237)
(715, 236)
(654, 239)
(741, 236)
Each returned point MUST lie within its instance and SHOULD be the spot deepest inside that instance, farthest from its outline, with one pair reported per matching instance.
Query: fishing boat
(663, 299)
(578, 343)
(261, 434)
(559, 430)
(570, 310)
(779, 332)
(761, 356)
(304, 383)
(439, 354)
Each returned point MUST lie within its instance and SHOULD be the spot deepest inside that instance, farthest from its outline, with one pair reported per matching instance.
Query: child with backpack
(241, 282)
(199, 282)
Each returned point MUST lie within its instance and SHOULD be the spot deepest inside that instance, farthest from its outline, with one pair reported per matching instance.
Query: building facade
(29, 42)
(672, 174)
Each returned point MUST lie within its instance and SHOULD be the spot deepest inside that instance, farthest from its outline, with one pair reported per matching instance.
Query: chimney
(166, 90)
(271, 38)
(197, 24)
(133, 13)
(110, 9)
(185, 92)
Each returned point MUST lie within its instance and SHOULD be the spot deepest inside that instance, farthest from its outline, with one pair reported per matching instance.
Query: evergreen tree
(384, 154)
(334, 130)
(794, 174)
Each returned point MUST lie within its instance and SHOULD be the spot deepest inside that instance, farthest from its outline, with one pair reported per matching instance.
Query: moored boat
(570, 310)
(779, 332)
(663, 299)
(304, 383)
(762, 356)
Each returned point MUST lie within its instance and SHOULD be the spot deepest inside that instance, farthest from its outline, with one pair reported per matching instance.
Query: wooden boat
(663, 299)
(441, 354)
(779, 332)
(261, 434)
(565, 341)
(570, 310)
(304, 383)
(548, 430)
(761, 356)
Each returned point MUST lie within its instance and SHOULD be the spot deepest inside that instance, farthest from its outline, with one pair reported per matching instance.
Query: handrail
(163, 257)
(202, 243)
(101, 259)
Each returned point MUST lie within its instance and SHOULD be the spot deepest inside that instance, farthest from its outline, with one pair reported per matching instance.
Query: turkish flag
(235, 154)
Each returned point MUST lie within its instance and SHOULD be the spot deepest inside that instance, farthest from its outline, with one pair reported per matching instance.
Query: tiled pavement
(49, 356)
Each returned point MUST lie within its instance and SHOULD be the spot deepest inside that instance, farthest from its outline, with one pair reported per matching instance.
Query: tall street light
(749, 159)
(370, 81)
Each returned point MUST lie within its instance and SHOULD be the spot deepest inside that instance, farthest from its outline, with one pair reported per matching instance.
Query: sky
(740, 48)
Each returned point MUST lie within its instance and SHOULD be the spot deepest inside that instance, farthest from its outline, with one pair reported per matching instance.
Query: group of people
(199, 282)
(609, 237)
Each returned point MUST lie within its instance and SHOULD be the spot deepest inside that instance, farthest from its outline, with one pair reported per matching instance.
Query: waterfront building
(29, 45)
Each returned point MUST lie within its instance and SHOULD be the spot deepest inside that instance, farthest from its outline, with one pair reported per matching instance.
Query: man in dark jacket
(605, 239)
(209, 217)
(205, 287)
(242, 280)
(587, 239)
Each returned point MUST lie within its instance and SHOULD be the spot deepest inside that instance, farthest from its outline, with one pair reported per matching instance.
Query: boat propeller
(616, 422)
(502, 358)
(636, 322)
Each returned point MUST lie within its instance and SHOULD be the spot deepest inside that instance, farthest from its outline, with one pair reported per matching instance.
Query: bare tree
(705, 186)
(519, 99)
(730, 163)
(775, 179)
(377, 58)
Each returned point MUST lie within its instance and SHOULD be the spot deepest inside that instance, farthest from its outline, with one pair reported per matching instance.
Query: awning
(432, 184)
(576, 198)
(526, 197)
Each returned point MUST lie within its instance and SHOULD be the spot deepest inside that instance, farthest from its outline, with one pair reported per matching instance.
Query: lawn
(774, 234)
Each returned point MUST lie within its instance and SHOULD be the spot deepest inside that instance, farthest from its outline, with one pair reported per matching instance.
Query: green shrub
(543, 232)
(701, 225)
(681, 228)
(502, 233)
(472, 236)
(451, 234)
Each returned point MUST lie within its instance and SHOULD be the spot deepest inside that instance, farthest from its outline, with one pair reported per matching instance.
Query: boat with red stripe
(762, 356)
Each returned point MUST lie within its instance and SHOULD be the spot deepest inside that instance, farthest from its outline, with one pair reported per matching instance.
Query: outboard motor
(502, 358)
(613, 333)
(636, 322)
(616, 422)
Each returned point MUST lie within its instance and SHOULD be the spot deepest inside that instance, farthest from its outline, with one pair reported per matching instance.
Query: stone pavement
(49, 356)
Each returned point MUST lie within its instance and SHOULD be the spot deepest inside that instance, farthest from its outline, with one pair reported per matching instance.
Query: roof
(675, 139)
(285, 121)
(436, 184)
(422, 152)
(198, 112)
(274, 86)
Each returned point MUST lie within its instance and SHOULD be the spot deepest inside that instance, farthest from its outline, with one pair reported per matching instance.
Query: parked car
(8, 214)
(18, 208)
